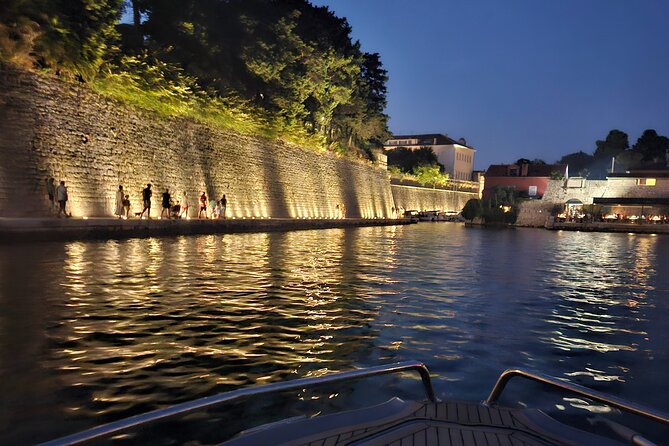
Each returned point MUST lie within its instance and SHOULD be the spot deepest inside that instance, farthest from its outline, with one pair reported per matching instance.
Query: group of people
(57, 196)
(170, 209)
(218, 207)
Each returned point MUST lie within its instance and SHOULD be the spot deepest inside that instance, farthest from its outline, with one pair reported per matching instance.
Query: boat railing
(115, 427)
(594, 395)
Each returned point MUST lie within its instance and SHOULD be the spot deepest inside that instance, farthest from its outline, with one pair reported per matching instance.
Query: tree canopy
(579, 163)
(407, 160)
(652, 147)
(74, 37)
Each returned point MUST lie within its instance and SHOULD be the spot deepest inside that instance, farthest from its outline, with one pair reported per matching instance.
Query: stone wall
(533, 213)
(558, 192)
(52, 128)
(425, 199)
(620, 187)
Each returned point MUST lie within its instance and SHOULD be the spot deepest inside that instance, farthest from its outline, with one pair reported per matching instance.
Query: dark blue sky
(519, 78)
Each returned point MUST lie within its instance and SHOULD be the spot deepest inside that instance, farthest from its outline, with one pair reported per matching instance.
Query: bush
(472, 209)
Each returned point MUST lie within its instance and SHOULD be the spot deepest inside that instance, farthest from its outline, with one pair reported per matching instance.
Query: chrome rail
(612, 401)
(235, 395)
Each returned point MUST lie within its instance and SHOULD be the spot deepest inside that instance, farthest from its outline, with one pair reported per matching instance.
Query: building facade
(530, 180)
(456, 156)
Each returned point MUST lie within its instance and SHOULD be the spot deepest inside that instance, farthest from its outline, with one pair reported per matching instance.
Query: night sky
(519, 78)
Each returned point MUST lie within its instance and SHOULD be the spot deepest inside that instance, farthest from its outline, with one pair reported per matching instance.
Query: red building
(530, 180)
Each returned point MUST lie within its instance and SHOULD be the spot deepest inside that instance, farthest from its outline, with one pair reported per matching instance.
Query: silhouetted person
(224, 205)
(146, 197)
(61, 196)
(166, 204)
(203, 205)
(119, 202)
(126, 206)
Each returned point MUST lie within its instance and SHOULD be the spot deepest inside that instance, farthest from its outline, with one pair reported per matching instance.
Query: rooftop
(429, 139)
(533, 170)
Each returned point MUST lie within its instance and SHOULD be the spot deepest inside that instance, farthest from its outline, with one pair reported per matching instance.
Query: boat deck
(424, 424)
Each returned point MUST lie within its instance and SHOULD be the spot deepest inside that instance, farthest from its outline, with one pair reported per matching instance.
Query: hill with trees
(278, 68)
(649, 152)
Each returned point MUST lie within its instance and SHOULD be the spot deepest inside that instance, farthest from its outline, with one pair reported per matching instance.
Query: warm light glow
(84, 217)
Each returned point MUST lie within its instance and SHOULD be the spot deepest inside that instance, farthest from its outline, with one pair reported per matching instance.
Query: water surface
(94, 331)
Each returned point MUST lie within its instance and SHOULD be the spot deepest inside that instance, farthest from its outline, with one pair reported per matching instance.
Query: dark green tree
(579, 163)
(615, 142)
(653, 149)
(472, 209)
(294, 60)
(408, 160)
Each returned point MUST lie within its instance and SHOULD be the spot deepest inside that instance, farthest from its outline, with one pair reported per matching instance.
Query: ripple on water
(109, 329)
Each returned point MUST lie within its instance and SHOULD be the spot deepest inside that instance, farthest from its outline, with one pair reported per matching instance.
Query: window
(645, 181)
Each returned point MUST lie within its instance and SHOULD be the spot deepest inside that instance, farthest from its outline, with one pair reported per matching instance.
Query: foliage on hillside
(649, 152)
(282, 69)
(419, 165)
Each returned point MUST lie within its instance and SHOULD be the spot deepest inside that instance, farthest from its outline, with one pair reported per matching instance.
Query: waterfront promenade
(34, 229)
(610, 227)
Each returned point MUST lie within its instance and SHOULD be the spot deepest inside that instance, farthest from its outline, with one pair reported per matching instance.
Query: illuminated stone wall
(425, 199)
(533, 213)
(52, 128)
(558, 192)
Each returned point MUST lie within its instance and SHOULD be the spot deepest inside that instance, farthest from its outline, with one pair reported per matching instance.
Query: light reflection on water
(92, 331)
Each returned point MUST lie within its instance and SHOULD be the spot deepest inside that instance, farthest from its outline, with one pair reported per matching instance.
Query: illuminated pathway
(22, 229)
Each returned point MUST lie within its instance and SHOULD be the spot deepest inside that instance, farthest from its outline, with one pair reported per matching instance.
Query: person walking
(146, 197)
(184, 206)
(203, 206)
(61, 196)
(119, 202)
(224, 206)
(51, 193)
(166, 204)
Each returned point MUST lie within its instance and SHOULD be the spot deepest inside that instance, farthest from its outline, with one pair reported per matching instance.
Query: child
(126, 206)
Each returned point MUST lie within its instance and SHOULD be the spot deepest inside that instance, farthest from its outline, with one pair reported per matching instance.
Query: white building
(456, 156)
